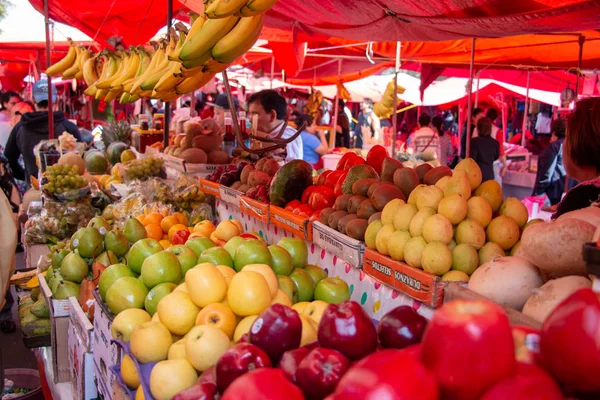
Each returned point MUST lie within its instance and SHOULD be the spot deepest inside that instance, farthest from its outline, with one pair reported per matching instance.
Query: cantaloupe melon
(73, 159)
(207, 143)
(218, 157)
(194, 156)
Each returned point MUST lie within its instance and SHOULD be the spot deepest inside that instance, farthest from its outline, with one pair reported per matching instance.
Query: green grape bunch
(63, 178)
(145, 168)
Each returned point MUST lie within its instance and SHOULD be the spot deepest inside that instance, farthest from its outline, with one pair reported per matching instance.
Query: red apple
(387, 374)
(238, 360)
(401, 327)
(290, 360)
(204, 391)
(413, 351)
(261, 384)
(570, 342)
(468, 346)
(527, 342)
(207, 376)
(320, 371)
(348, 329)
(276, 330)
(530, 382)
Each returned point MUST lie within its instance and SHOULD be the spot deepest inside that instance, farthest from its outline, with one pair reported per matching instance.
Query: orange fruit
(154, 231)
(175, 228)
(181, 218)
(191, 229)
(141, 218)
(168, 222)
(165, 244)
(165, 237)
(153, 218)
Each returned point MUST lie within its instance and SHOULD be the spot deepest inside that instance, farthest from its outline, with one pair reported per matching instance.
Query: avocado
(290, 182)
(356, 173)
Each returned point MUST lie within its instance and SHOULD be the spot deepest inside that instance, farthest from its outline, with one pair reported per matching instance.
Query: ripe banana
(145, 61)
(343, 93)
(91, 91)
(110, 96)
(174, 56)
(239, 40)
(203, 41)
(158, 57)
(128, 72)
(62, 65)
(197, 62)
(246, 12)
(115, 65)
(260, 5)
(169, 80)
(224, 8)
(101, 93)
(70, 72)
(90, 73)
(187, 73)
(214, 67)
(193, 83)
(86, 55)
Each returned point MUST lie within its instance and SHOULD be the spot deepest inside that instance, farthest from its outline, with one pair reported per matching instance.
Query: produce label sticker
(176, 163)
(211, 188)
(230, 196)
(255, 209)
(348, 249)
(201, 169)
(298, 226)
(416, 283)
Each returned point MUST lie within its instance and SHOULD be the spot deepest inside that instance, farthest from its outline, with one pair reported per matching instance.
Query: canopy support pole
(272, 70)
(470, 100)
(477, 90)
(526, 112)
(336, 110)
(395, 115)
(49, 79)
(167, 117)
(579, 62)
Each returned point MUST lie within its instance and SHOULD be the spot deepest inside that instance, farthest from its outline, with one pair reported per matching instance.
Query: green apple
(297, 249)
(161, 267)
(282, 260)
(110, 275)
(156, 294)
(287, 285)
(186, 256)
(127, 292)
(116, 242)
(199, 244)
(74, 268)
(303, 285)
(216, 256)
(107, 258)
(252, 251)
(316, 273)
(232, 245)
(332, 291)
(140, 251)
(57, 258)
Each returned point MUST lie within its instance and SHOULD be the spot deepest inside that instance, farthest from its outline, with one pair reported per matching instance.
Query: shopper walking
(485, 149)
(368, 125)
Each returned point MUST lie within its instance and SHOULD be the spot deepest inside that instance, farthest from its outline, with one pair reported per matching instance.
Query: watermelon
(114, 150)
(95, 162)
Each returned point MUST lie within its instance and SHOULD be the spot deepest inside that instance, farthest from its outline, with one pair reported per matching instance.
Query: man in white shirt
(271, 108)
(425, 139)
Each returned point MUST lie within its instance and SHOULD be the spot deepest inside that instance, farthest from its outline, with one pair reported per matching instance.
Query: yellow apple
(243, 327)
(178, 312)
(299, 307)
(129, 373)
(175, 338)
(155, 318)
(309, 330)
(126, 321)
(315, 310)
(204, 346)
(238, 224)
(177, 350)
(150, 342)
(226, 230)
(182, 288)
(139, 393)
(281, 298)
(227, 272)
(206, 284)
(267, 273)
(204, 228)
(171, 377)
(248, 293)
(220, 316)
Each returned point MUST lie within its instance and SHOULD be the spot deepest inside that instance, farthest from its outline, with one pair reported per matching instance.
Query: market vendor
(32, 129)
(221, 106)
(270, 109)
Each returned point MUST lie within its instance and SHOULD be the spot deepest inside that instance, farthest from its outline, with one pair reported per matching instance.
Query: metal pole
(272, 70)
(167, 117)
(526, 112)
(395, 116)
(477, 91)
(336, 110)
(49, 79)
(581, 41)
(470, 101)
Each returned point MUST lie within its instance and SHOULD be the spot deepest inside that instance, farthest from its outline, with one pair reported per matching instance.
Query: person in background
(445, 140)
(7, 101)
(476, 115)
(342, 137)
(425, 139)
(8, 246)
(314, 143)
(221, 105)
(32, 129)
(497, 134)
(551, 174)
(485, 149)
(270, 109)
(21, 109)
(367, 123)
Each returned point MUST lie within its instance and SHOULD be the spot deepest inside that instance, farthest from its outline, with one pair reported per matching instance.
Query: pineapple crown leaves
(116, 131)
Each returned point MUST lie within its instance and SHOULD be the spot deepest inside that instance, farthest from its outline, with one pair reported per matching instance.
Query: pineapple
(116, 131)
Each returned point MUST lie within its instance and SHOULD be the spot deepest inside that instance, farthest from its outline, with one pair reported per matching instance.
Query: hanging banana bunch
(342, 92)
(315, 99)
(385, 107)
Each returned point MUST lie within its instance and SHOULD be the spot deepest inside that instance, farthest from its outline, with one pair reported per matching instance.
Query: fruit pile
(34, 316)
(62, 178)
(201, 143)
(144, 168)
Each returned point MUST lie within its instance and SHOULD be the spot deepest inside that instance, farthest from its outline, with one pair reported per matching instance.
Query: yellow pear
(171, 377)
(178, 312)
(473, 171)
(459, 183)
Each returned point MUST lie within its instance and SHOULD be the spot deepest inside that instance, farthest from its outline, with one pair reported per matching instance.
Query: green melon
(114, 150)
(95, 162)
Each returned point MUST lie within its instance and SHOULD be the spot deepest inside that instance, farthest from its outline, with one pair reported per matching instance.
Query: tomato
(303, 210)
(306, 194)
(337, 188)
(342, 163)
(333, 177)
(292, 204)
(315, 216)
(354, 161)
(376, 156)
(181, 237)
(322, 198)
(323, 177)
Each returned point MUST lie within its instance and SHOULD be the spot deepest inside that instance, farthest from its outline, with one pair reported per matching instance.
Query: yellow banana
(86, 55)
(246, 12)
(70, 72)
(145, 61)
(174, 56)
(214, 67)
(62, 65)
(201, 43)
(194, 83)
(110, 96)
(197, 62)
(125, 97)
(187, 73)
(157, 58)
(171, 79)
(90, 73)
(239, 40)
(101, 93)
(111, 70)
(129, 71)
(260, 5)
(133, 97)
(224, 8)
(91, 91)
(123, 63)
(144, 93)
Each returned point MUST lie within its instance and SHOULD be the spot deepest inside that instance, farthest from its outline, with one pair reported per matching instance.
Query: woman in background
(314, 143)
(445, 140)
(551, 174)
(485, 149)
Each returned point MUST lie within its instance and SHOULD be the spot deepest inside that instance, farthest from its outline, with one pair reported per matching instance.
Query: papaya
(421, 170)
(354, 202)
(218, 157)
(194, 156)
(343, 222)
(341, 203)
(375, 217)
(334, 218)
(406, 179)
(356, 229)
(436, 174)
(290, 182)
(386, 193)
(366, 209)
(356, 173)
(324, 216)
(361, 186)
(390, 165)
(40, 309)
(35, 293)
